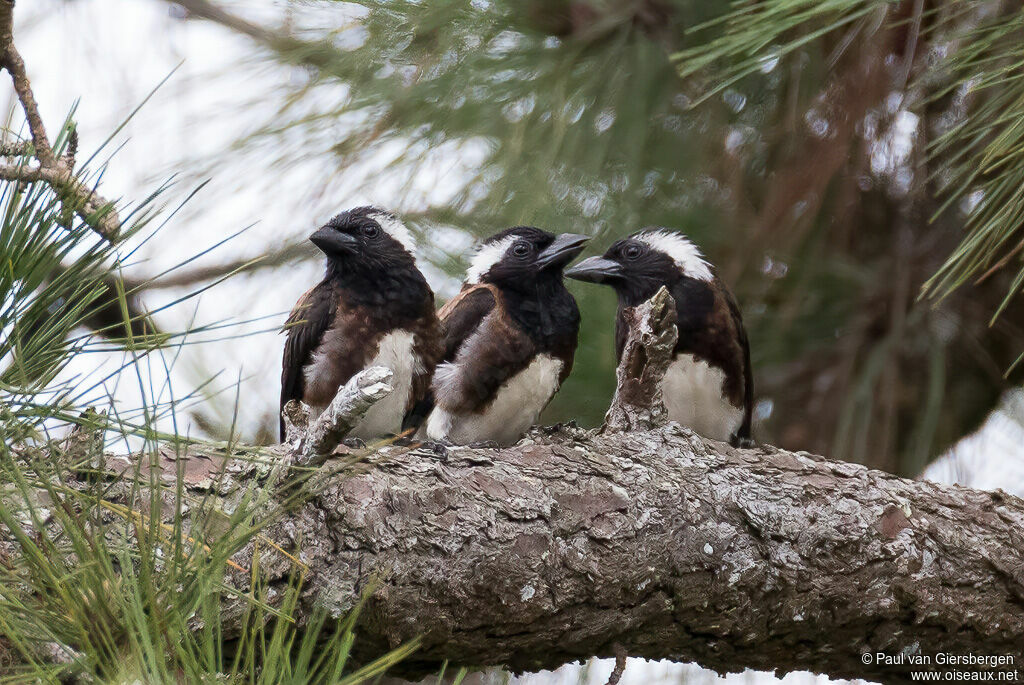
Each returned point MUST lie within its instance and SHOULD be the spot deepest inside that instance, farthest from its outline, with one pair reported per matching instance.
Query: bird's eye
(632, 251)
(521, 249)
(370, 230)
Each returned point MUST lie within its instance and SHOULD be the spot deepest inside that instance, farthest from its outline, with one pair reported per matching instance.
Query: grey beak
(562, 251)
(333, 242)
(595, 270)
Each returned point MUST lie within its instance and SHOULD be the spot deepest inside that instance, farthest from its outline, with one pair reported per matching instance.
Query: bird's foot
(438, 447)
(742, 443)
(483, 445)
(354, 443)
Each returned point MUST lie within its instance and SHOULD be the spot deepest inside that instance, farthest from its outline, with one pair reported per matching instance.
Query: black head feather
(519, 257)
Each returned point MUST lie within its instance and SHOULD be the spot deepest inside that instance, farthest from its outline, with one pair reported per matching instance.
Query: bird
(708, 386)
(509, 338)
(373, 308)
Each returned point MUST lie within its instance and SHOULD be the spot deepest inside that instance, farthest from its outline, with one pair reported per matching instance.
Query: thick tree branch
(672, 546)
(653, 543)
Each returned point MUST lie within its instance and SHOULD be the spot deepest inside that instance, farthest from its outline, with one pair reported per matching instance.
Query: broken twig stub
(311, 440)
(646, 356)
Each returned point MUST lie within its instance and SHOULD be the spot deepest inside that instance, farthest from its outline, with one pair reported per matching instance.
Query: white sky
(109, 55)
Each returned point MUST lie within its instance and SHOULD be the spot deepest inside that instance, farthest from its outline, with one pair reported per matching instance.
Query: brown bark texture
(670, 545)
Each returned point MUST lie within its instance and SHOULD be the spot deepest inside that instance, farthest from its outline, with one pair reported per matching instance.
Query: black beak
(595, 270)
(562, 251)
(333, 242)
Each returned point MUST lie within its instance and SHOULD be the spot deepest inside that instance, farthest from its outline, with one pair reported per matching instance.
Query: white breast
(395, 351)
(693, 397)
(514, 409)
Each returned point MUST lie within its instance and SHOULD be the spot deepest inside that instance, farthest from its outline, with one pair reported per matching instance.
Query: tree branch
(9, 148)
(290, 252)
(280, 41)
(312, 443)
(11, 60)
(96, 211)
(672, 546)
(654, 543)
(646, 356)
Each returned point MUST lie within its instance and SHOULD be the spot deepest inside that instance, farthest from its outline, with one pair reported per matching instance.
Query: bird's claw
(483, 445)
(743, 443)
(438, 447)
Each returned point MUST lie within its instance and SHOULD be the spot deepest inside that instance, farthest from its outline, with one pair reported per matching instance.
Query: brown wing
(486, 349)
(459, 318)
(429, 347)
(744, 431)
(462, 315)
(306, 324)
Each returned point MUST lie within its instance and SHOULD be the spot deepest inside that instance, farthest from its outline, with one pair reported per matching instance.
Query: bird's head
(639, 265)
(523, 255)
(365, 238)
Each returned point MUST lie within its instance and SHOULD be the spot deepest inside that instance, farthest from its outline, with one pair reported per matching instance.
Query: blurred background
(853, 167)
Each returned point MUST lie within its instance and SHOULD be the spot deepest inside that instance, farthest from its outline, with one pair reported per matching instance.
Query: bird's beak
(562, 251)
(595, 270)
(332, 242)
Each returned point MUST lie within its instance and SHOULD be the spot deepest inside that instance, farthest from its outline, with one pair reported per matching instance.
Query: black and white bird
(373, 308)
(708, 386)
(509, 339)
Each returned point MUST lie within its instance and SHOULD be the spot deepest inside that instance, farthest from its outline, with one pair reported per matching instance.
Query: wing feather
(460, 317)
(306, 325)
(744, 431)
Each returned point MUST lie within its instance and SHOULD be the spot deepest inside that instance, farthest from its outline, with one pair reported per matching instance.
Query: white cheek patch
(684, 253)
(487, 256)
(393, 226)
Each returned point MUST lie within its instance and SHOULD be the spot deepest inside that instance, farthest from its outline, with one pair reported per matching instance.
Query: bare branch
(646, 356)
(312, 444)
(203, 9)
(76, 196)
(620, 664)
(6, 24)
(181, 278)
(11, 60)
(279, 40)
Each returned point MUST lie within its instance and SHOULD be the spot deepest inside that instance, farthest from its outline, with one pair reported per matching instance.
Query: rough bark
(646, 356)
(672, 546)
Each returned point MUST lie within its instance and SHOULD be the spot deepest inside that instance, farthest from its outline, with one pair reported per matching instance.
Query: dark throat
(545, 310)
(694, 300)
(396, 293)
(639, 289)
